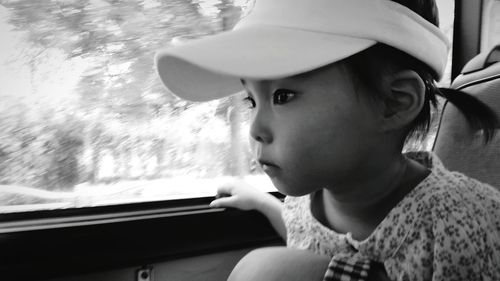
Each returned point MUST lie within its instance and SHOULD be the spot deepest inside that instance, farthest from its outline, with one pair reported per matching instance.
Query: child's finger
(223, 202)
(225, 189)
(222, 195)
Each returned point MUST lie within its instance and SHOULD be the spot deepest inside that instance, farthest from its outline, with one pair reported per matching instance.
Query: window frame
(77, 241)
(466, 33)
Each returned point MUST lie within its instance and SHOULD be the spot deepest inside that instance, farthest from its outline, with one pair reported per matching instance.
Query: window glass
(446, 19)
(84, 119)
(491, 25)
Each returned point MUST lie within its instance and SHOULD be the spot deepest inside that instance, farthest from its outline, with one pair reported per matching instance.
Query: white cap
(281, 38)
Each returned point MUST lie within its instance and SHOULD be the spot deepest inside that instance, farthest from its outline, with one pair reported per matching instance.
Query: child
(336, 87)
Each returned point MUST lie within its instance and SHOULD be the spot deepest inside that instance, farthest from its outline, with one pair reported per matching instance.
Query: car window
(491, 25)
(85, 121)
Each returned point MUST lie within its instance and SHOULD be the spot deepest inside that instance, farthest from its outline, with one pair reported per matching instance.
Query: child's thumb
(223, 202)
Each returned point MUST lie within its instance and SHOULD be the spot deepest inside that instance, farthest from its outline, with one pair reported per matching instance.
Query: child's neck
(360, 209)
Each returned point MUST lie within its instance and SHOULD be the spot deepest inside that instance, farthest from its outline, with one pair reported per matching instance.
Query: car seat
(460, 147)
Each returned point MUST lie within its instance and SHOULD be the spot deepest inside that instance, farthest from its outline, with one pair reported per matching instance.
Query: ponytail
(478, 115)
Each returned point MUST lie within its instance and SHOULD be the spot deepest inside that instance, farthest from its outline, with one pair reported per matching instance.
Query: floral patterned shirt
(446, 228)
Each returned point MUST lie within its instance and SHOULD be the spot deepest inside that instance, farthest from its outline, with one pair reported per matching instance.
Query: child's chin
(290, 191)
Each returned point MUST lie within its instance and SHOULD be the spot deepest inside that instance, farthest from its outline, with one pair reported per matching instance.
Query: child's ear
(404, 100)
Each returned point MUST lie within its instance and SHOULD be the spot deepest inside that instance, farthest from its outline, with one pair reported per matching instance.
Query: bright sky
(55, 77)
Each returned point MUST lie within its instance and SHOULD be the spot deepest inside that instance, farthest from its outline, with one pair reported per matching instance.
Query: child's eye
(250, 101)
(282, 96)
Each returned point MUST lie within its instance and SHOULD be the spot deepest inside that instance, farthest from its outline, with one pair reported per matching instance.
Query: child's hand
(238, 195)
(243, 196)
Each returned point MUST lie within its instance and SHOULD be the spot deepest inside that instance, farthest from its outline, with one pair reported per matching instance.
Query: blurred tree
(118, 86)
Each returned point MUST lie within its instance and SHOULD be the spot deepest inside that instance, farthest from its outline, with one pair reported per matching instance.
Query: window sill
(68, 242)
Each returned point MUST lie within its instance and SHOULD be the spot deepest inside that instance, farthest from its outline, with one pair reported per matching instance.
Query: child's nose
(260, 129)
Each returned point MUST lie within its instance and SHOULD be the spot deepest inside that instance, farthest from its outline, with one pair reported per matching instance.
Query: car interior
(186, 240)
(459, 146)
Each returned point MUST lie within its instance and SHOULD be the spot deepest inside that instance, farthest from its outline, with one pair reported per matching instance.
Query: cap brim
(212, 67)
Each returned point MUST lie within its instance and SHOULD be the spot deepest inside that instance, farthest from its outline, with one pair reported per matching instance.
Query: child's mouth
(269, 168)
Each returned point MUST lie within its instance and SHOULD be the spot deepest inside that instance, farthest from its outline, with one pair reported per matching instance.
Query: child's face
(313, 130)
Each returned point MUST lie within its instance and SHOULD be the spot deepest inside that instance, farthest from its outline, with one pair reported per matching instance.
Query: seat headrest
(483, 66)
(482, 61)
(460, 147)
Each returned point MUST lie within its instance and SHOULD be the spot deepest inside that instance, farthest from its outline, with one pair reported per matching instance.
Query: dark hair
(369, 65)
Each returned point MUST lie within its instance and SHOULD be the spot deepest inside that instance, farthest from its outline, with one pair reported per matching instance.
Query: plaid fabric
(352, 268)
